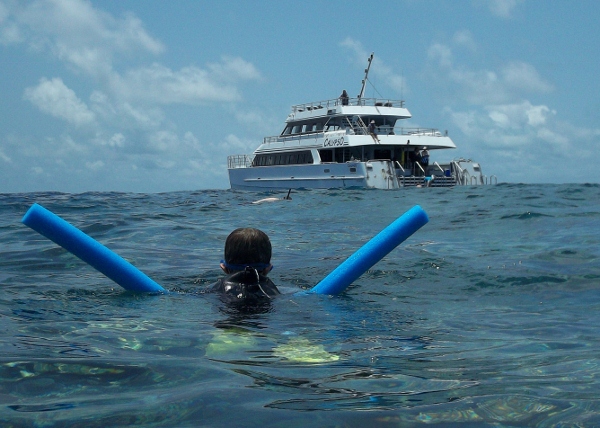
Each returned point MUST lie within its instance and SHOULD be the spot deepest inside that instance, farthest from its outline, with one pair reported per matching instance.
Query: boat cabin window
(289, 158)
(326, 155)
(306, 128)
(382, 154)
(384, 126)
(341, 154)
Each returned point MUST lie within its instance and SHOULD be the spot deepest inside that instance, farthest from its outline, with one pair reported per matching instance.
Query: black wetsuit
(245, 287)
(414, 157)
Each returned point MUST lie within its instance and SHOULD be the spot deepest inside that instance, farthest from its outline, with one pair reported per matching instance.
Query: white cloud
(524, 77)
(9, 30)
(66, 145)
(191, 142)
(466, 121)
(503, 8)
(95, 166)
(138, 117)
(165, 163)
(257, 121)
(519, 115)
(158, 84)
(234, 144)
(4, 157)
(553, 138)
(124, 106)
(464, 38)
(89, 40)
(92, 60)
(84, 37)
(479, 87)
(440, 53)
(485, 86)
(380, 69)
(518, 131)
(500, 119)
(123, 129)
(356, 47)
(56, 99)
(536, 115)
(117, 140)
(234, 68)
(3, 13)
(69, 26)
(163, 141)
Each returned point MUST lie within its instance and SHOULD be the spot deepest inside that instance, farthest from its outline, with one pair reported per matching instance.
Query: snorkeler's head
(247, 247)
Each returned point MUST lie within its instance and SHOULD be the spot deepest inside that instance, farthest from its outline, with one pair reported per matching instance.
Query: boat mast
(364, 82)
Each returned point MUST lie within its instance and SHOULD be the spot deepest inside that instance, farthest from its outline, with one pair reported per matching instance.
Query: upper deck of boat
(350, 106)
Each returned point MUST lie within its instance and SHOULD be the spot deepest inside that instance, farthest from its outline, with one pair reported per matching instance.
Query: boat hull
(372, 174)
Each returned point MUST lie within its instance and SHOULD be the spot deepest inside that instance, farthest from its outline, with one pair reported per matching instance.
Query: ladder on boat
(357, 124)
(438, 181)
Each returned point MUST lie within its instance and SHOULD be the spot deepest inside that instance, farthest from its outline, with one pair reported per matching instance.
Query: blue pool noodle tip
(89, 250)
(373, 251)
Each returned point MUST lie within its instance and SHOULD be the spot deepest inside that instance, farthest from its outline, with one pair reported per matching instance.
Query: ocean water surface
(488, 315)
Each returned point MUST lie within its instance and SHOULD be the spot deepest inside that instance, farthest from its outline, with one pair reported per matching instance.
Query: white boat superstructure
(350, 142)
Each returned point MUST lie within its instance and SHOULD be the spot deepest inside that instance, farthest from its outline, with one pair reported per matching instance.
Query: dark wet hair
(247, 247)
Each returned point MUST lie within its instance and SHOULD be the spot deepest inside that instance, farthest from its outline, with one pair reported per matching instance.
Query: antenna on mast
(364, 82)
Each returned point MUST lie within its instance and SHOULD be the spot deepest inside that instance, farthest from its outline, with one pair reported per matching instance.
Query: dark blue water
(487, 315)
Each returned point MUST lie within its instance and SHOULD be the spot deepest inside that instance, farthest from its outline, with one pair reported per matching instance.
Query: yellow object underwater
(297, 350)
(300, 350)
(227, 342)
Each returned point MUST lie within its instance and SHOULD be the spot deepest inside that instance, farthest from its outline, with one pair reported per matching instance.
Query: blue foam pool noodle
(373, 251)
(89, 250)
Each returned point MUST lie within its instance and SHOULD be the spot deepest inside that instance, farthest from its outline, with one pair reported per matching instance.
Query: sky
(152, 96)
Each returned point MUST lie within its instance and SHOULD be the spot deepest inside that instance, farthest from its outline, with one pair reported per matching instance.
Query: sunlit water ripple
(488, 315)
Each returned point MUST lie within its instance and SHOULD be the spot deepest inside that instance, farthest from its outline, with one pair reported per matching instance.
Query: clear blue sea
(487, 316)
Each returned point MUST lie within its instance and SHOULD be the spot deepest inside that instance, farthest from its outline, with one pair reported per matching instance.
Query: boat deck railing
(239, 161)
(383, 130)
(360, 102)
(459, 176)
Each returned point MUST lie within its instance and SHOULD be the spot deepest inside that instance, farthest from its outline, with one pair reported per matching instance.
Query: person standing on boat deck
(344, 98)
(247, 263)
(372, 131)
(425, 158)
(414, 158)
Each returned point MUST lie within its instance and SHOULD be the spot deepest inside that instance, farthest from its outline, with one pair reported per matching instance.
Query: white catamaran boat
(351, 142)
